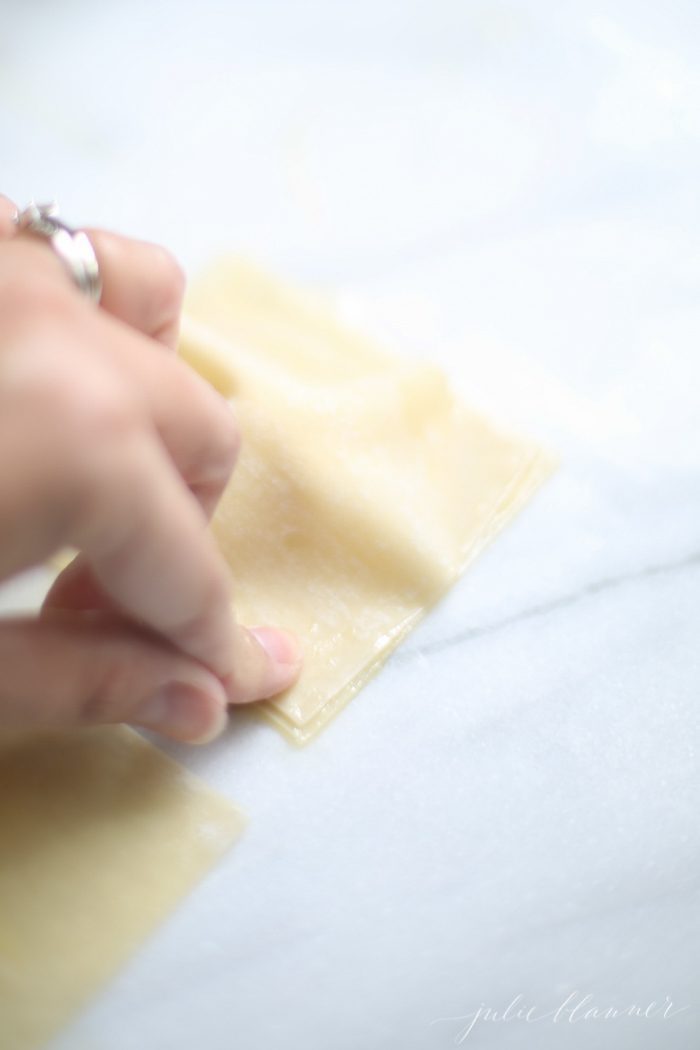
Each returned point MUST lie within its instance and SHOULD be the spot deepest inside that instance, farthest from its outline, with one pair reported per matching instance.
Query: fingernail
(282, 646)
(285, 654)
(185, 712)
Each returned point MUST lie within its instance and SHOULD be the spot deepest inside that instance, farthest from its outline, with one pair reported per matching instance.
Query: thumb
(85, 669)
(266, 659)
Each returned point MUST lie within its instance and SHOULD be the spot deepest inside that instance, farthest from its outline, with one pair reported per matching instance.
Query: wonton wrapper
(100, 835)
(362, 490)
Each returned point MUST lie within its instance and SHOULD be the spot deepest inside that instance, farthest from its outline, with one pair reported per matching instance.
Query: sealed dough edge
(534, 473)
(302, 734)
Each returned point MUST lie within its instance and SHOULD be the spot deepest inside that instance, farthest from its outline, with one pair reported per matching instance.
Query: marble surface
(506, 818)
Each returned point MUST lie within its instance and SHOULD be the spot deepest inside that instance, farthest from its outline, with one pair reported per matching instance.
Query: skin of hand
(110, 444)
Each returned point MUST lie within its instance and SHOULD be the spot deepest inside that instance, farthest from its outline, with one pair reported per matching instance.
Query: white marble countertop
(509, 812)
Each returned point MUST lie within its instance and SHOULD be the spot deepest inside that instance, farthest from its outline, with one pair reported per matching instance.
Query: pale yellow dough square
(100, 836)
(363, 488)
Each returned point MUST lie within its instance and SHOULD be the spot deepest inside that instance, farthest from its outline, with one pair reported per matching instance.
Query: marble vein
(605, 584)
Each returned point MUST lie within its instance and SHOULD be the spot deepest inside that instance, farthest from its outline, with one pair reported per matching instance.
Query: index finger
(146, 539)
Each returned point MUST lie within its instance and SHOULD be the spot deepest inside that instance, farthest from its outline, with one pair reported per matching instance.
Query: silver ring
(73, 247)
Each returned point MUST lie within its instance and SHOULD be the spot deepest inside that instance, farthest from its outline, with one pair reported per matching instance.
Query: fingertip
(281, 646)
(185, 711)
(284, 658)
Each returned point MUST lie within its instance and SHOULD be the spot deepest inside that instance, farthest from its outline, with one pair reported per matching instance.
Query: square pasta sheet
(101, 835)
(363, 488)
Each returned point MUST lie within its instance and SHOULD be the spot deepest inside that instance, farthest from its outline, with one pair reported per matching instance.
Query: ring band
(73, 247)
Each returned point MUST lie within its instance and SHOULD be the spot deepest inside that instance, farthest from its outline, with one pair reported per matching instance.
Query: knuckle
(101, 701)
(217, 443)
(197, 631)
(95, 411)
(73, 400)
(111, 686)
(169, 278)
(94, 421)
(216, 596)
(227, 433)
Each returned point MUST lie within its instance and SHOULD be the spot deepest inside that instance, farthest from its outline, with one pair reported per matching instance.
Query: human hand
(112, 445)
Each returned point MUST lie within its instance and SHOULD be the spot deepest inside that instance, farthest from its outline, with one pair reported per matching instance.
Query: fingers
(94, 475)
(145, 538)
(101, 441)
(197, 426)
(70, 339)
(266, 660)
(143, 287)
(78, 672)
(142, 284)
(194, 421)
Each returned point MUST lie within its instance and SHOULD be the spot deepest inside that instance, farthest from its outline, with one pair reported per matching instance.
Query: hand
(112, 445)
